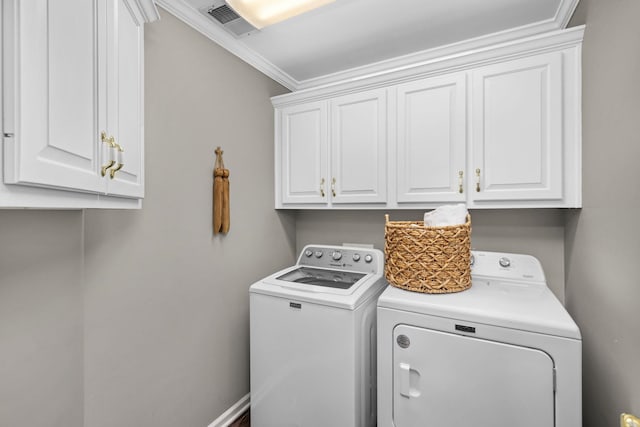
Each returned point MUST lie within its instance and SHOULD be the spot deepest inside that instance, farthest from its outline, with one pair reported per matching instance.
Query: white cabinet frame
(511, 111)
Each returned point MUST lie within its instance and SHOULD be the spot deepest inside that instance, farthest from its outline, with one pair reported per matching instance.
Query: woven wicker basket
(433, 260)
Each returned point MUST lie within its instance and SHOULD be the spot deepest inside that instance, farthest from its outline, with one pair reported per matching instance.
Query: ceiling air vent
(226, 17)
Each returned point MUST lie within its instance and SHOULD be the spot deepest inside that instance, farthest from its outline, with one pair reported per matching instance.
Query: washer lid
(322, 277)
(525, 306)
(347, 297)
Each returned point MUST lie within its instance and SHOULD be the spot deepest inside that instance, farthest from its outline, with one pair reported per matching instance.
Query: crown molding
(415, 59)
(147, 9)
(196, 20)
(565, 12)
(558, 22)
(540, 43)
(192, 17)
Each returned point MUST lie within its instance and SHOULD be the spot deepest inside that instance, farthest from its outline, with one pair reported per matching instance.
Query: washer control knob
(308, 253)
(318, 254)
(356, 257)
(368, 258)
(504, 262)
(336, 255)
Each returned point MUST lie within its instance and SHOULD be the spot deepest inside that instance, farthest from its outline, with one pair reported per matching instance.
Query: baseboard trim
(233, 413)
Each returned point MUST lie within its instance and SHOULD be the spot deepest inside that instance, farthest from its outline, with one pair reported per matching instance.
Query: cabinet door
(51, 106)
(358, 147)
(431, 138)
(303, 150)
(124, 97)
(517, 130)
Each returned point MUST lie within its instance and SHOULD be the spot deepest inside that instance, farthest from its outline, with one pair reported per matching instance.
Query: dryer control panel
(366, 260)
(516, 267)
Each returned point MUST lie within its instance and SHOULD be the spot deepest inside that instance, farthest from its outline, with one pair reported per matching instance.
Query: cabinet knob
(460, 187)
(322, 187)
(333, 187)
(478, 180)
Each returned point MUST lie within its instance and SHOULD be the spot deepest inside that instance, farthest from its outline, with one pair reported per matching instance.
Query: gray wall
(156, 331)
(538, 232)
(166, 303)
(41, 333)
(603, 239)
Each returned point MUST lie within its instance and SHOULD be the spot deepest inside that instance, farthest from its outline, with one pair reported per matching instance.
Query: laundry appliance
(313, 340)
(503, 353)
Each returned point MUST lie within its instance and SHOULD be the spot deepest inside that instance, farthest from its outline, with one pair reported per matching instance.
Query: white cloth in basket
(446, 215)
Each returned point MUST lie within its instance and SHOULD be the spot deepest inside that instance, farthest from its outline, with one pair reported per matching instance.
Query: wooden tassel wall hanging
(221, 210)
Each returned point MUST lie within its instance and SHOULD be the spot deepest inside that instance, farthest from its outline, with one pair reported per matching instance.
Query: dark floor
(243, 421)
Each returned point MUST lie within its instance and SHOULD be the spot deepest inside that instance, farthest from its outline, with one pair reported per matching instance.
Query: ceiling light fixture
(261, 13)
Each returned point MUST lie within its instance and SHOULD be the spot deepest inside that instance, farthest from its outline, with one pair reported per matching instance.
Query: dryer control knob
(368, 258)
(504, 262)
(356, 257)
(336, 255)
(318, 254)
(308, 253)
(403, 341)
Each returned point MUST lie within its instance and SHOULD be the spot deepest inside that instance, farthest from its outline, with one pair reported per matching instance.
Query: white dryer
(313, 340)
(503, 353)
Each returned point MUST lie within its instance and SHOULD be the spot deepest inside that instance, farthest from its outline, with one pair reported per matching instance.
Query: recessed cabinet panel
(517, 130)
(304, 153)
(55, 141)
(358, 148)
(431, 140)
(125, 101)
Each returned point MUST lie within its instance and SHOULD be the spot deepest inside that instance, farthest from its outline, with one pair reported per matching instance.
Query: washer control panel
(365, 260)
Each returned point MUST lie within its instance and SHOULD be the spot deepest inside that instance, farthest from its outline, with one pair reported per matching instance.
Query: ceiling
(348, 39)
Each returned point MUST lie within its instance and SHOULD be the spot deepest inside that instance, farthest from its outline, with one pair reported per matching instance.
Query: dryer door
(443, 379)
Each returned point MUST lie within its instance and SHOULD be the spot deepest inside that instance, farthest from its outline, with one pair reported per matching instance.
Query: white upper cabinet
(124, 99)
(332, 152)
(517, 140)
(493, 128)
(303, 153)
(431, 140)
(73, 103)
(56, 117)
(358, 148)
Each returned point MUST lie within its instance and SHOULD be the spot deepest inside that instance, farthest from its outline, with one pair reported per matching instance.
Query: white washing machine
(313, 340)
(503, 353)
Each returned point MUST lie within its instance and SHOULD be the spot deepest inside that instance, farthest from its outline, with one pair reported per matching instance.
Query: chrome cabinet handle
(322, 187)
(333, 187)
(460, 187)
(478, 180)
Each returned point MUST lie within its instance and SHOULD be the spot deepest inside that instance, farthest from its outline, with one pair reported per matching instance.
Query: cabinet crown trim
(550, 41)
(148, 10)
